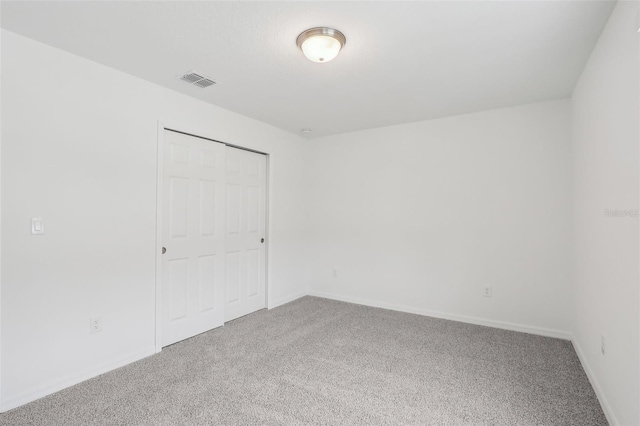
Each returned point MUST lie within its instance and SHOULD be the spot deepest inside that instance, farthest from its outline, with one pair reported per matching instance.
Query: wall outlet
(334, 273)
(488, 292)
(95, 325)
(37, 226)
(603, 345)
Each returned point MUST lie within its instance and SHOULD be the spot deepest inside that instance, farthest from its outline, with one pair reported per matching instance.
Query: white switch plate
(488, 292)
(37, 226)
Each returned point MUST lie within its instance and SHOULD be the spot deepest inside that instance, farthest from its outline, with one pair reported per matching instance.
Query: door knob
(164, 250)
(262, 240)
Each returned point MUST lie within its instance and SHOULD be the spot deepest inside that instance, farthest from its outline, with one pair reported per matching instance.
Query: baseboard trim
(43, 391)
(63, 383)
(286, 300)
(48, 389)
(540, 331)
(604, 402)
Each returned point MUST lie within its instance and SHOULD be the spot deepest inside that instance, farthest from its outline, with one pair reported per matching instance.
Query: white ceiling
(403, 61)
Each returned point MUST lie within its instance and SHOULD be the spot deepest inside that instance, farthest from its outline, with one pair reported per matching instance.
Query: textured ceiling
(403, 61)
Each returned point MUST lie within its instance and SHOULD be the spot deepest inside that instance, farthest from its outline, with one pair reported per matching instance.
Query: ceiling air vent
(205, 82)
(197, 79)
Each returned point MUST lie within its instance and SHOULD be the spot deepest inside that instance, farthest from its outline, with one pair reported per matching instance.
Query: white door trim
(199, 133)
(159, 201)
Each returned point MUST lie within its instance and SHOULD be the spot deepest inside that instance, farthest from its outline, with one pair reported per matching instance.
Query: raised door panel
(232, 283)
(178, 206)
(207, 282)
(178, 288)
(207, 219)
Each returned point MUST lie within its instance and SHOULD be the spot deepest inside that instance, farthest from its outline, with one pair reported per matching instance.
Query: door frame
(162, 126)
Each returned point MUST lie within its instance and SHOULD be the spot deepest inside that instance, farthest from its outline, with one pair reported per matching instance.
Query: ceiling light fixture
(321, 44)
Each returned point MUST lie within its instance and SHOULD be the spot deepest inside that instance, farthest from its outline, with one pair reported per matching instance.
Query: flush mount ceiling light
(321, 44)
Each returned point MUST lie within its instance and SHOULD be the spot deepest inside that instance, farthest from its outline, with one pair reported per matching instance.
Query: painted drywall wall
(605, 217)
(79, 150)
(421, 217)
(0, 211)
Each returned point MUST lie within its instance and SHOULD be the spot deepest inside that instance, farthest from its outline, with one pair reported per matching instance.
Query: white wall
(79, 150)
(605, 118)
(417, 217)
(420, 217)
(0, 212)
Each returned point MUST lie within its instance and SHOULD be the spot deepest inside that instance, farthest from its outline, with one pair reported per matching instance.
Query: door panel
(253, 272)
(178, 283)
(246, 220)
(207, 281)
(207, 208)
(178, 208)
(233, 277)
(233, 208)
(193, 267)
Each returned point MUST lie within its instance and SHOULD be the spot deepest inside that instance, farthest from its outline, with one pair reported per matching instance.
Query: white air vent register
(197, 79)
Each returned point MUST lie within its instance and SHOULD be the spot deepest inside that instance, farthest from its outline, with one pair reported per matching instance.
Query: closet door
(193, 227)
(246, 177)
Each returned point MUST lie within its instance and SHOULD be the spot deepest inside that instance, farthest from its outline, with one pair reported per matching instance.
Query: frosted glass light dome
(321, 44)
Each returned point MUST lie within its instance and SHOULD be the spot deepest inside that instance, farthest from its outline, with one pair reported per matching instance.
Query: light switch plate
(37, 226)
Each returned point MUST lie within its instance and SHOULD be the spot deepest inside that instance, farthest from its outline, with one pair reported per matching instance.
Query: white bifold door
(213, 225)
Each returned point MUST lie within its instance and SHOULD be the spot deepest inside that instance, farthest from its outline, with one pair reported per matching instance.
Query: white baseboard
(65, 382)
(286, 300)
(547, 332)
(604, 403)
(40, 392)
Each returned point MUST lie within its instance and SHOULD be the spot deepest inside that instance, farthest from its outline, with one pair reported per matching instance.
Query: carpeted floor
(321, 362)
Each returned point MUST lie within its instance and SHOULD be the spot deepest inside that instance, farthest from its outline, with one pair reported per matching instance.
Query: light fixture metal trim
(317, 31)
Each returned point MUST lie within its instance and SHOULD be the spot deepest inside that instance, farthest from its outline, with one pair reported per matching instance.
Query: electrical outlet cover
(95, 325)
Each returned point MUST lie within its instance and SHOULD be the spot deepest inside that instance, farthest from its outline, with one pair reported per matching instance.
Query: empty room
(320, 212)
